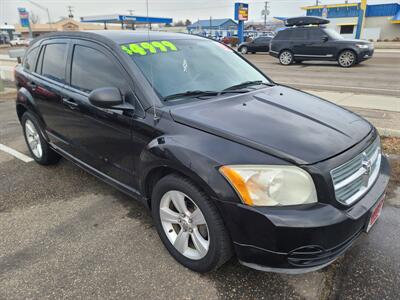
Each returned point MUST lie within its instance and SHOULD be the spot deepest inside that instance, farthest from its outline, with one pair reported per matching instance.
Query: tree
(34, 18)
(179, 23)
(187, 22)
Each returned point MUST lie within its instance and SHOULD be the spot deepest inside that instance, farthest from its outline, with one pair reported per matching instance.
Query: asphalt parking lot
(379, 75)
(65, 234)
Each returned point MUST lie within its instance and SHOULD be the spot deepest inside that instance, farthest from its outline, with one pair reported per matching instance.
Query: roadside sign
(23, 17)
(241, 11)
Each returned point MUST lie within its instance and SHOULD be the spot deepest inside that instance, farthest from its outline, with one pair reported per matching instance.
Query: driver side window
(91, 69)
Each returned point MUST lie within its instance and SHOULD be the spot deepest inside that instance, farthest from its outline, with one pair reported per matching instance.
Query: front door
(317, 46)
(101, 137)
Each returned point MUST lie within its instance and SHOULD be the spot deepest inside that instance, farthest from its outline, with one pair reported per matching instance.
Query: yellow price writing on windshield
(145, 48)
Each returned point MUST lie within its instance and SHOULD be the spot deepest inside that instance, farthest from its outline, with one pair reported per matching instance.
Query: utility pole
(316, 2)
(265, 12)
(210, 26)
(70, 12)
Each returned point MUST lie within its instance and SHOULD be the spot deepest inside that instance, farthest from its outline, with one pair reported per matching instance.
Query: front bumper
(365, 54)
(298, 239)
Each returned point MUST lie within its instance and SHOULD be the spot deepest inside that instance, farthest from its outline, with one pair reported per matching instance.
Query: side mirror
(325, 38)
(106, 97)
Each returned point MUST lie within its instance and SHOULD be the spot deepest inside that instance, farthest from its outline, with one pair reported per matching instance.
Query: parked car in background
(302, 43)
(19, 42)
(259, 44)
(230, 40)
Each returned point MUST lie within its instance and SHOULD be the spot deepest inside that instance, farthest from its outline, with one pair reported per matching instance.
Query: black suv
(317, 43)
(259, 44)
(229, 162)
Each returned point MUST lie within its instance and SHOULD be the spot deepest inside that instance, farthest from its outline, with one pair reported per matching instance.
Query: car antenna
(155, 117)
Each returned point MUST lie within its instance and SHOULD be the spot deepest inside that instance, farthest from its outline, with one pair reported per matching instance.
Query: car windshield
(333, 34)
(179, 69)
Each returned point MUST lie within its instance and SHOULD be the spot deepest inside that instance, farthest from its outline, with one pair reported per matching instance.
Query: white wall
(388, 30)
(334, 25)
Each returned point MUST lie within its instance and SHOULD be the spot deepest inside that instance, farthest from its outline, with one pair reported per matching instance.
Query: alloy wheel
(184, 225)
(33, 138)
(286, 58)
(347, 59)
(243, 50)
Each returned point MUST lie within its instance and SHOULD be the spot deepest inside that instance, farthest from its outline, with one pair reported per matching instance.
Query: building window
(346, 29)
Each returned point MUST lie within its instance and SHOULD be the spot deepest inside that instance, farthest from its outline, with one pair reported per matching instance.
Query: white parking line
(15, 153)
(340, 86)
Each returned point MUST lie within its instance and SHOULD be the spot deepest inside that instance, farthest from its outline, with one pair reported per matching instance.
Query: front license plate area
(375, 213)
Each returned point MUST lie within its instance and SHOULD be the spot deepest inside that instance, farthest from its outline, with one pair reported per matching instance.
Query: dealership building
(359, 20)
(214, 27)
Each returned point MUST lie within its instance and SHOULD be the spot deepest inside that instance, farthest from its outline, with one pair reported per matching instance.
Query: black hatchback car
(259, 44)
(229, 162)
(298, 44)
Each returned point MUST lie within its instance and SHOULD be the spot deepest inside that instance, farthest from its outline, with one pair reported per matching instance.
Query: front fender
(168, 152)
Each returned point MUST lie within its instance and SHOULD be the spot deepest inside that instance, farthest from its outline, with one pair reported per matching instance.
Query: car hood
(281, 121)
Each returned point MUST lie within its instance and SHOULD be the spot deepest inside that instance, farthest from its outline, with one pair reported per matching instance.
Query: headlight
(259, 185)
(362, 46)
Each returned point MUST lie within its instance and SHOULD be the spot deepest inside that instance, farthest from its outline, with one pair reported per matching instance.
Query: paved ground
(65, 234)
(379, 75)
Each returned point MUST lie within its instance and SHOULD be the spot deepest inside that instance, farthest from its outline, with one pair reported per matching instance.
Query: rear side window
(30, 59)
(299, 34)
(91, 69)
(54, 62)
(284, 34)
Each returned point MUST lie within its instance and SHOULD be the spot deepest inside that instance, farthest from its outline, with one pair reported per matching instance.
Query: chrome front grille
(353, 179)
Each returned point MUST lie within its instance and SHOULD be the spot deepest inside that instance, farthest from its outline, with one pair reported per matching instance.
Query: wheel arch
(156, 173)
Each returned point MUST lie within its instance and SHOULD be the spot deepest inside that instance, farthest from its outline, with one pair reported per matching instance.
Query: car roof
(120, 36)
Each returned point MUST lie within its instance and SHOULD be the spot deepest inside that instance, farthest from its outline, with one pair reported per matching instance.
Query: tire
(243, 50)
(37, 145)
(286, 57)
(347, 58)
(202, 245)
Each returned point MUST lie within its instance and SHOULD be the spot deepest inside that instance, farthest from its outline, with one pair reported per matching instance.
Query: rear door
(101, 137)
(299, 41)
(47, 88)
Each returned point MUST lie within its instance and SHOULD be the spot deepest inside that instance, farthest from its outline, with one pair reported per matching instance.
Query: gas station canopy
(119, 19)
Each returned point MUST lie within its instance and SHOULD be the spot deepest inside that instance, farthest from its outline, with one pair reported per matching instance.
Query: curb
(389, 132)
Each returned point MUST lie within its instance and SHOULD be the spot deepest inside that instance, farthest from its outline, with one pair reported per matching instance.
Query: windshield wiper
(246, 84)
(196, 93)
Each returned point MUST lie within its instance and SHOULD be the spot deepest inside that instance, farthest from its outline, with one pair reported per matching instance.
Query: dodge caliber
(229, 162)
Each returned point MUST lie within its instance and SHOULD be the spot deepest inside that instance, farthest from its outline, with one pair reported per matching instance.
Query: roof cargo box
(301, 21)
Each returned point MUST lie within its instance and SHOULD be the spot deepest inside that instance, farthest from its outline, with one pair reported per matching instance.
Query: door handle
(32, 85)
(70, 102)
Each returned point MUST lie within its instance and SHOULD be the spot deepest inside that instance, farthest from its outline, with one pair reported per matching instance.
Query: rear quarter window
(30, 59)
(284, 35)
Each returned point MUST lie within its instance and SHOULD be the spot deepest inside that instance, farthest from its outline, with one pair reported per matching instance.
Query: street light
(43, 8)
